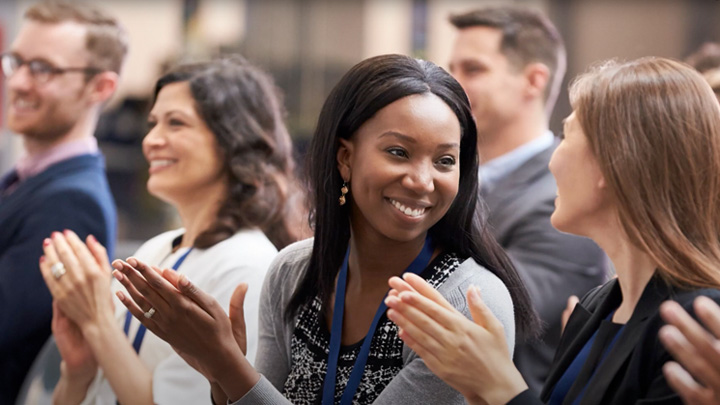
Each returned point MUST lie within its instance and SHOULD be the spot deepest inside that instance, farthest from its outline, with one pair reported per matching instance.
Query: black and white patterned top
(311, 344)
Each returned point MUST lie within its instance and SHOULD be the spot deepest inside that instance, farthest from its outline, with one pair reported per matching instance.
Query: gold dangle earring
(343, 190)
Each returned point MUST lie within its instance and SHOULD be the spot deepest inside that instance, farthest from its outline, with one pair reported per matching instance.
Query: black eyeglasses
(40, 70)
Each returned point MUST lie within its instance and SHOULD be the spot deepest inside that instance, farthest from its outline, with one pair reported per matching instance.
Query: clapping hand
(695, 349)
(471, 356)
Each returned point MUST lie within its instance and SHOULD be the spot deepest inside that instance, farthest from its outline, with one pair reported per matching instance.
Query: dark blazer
(553, 265)
(632, 371)
(72, 194)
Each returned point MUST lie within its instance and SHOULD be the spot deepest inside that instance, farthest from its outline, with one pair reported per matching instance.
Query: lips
(408, 210)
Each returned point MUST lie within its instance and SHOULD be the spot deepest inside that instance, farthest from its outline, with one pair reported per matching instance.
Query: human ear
(537, 76)
(103, 86)
(344, 158)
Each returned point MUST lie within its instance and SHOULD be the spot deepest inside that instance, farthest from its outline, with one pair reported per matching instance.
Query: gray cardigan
(414, 384)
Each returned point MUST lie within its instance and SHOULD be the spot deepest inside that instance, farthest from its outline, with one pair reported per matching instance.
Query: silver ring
(149, 313)
(58, 270)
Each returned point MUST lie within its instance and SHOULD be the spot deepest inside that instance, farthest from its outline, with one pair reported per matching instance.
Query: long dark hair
(240, 105)
(367, 88)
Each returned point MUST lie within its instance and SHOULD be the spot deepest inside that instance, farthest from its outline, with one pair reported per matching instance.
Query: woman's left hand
(472, 357)
(81, 288)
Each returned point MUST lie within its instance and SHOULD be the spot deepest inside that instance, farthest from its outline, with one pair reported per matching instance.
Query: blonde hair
(106, 39)
(654, 126)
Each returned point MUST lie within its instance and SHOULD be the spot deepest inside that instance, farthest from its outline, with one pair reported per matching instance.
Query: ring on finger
(58, 270)
(149, 313)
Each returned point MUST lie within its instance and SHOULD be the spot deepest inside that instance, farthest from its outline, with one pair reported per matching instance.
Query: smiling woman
(397, 142)
(220, 154)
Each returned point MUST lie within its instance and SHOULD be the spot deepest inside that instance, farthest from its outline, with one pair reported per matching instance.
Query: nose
(154, 139)
(420, 178)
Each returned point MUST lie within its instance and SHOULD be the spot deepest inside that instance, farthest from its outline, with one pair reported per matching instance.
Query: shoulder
(493, 291)
(686, 298)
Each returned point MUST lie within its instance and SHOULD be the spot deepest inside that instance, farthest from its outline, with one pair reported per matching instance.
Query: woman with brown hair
(220, 154)
(639, 173)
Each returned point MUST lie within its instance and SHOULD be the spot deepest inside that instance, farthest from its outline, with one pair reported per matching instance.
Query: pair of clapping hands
(473, 357)
(166, 302)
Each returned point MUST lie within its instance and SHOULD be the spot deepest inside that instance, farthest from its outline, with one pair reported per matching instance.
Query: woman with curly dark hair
(220, 154)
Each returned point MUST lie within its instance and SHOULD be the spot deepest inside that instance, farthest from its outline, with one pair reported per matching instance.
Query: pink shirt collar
(31, 165)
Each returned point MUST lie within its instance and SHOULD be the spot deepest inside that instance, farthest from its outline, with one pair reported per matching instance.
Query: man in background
(706, 60)
(59, 71)
(511, 62)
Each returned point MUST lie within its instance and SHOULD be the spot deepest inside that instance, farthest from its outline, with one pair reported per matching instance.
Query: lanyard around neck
(141, 330)
(328, 398)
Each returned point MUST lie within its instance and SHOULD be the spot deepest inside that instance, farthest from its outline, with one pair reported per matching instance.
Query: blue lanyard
(328, 398)
(141, 330)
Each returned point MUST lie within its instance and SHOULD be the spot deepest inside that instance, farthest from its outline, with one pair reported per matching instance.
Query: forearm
(72, 389)
(130, 380)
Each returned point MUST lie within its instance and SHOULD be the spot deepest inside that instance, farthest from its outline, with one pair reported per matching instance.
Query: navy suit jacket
(72, 194)
(632, 371)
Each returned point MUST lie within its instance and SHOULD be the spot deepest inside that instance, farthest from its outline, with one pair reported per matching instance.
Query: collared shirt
(496, 169)
(31, 165)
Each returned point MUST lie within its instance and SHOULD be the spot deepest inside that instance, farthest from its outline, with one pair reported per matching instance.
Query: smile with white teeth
(161, 162)
(407, 210)
(22, 103)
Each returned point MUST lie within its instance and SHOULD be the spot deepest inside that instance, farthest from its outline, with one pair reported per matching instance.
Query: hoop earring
(343, 190)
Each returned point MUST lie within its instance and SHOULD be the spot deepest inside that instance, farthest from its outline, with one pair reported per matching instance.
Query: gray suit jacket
(554, 265)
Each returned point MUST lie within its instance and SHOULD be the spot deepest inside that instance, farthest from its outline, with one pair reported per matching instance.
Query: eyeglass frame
(51, 72)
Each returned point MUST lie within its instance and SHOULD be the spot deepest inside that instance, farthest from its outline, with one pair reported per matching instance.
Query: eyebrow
(409, 139)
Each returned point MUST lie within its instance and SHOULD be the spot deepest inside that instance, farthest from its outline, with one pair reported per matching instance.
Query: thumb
(480, 313)
(237, 316)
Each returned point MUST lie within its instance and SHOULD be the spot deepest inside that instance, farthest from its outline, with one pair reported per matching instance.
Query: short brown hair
(706, 58)
(527, 36)
(654, 127)
(106, 39)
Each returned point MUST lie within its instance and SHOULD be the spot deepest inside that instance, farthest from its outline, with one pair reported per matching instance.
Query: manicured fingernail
(120, 295)
(46, 242)
(118, 276)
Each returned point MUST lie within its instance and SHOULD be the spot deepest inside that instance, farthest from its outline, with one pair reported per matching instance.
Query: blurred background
(308, 44)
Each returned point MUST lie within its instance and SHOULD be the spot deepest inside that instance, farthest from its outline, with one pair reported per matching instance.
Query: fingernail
(118, 275)
(66, 232)
(46, 242)
(390, 314)
(92, 238)
(184, 282)
(42, 259)
(120, 295)
(55, 234)
(474, 294)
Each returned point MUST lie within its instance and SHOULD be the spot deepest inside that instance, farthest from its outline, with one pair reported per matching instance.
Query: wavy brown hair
(654, 126)
(242, 108)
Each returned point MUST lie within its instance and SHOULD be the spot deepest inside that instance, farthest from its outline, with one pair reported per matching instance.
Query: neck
(373, 262)
(633, 266)
(198, 213)
(83, 128)
(513, 134)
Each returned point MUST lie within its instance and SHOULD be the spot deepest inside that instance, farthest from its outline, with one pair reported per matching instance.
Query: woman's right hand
(78, 359)
(192, 322)
(471, 356)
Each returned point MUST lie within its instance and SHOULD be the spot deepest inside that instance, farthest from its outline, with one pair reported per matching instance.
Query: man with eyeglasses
(61, 68)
